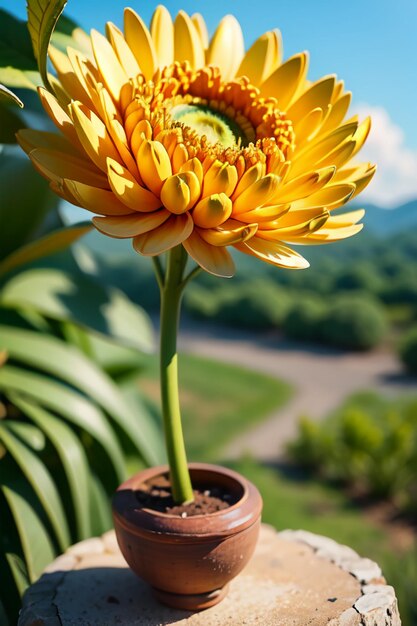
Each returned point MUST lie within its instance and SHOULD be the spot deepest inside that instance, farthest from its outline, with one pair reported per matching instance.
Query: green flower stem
(171, 294)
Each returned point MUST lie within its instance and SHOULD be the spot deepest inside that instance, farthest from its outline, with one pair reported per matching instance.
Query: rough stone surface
(295, 578)
(365, 570)
(95, 545)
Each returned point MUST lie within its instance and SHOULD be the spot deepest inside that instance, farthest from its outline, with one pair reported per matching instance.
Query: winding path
(322, 378)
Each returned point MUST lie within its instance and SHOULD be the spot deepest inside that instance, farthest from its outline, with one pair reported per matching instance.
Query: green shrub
(402, 289)
(303, 317)
(360, 277)
(408, 350)
(202, 303)
(255, 304)
(309, 448)
(354, 322)
(370, 443)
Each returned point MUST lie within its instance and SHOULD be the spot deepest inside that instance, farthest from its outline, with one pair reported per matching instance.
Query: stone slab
(295, 578)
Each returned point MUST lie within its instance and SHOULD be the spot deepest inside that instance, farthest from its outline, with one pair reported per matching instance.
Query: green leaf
(18, 67)
(40, 480)
(49, 244)
(42, 18)
(25, 199)
(71, 453)
(117, 360)
(59, 359)
(18, 570)
(68, 403)
(69, 34)
(152, 431)
(31, 436)
(58, 295)
(11, 587)
(10, 122)
(99, 507)
(36, 545)
(9, 96)
(129, 322)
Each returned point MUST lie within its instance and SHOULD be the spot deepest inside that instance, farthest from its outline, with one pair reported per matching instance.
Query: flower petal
(187, 43)
(227, 47)
(173, 232)
(256, 195)
(201, 29)
(212, 211)
(93, 135)
(296, 230)
(302, 216)
(96, 200)
(193, 165)
(330, 197)
(361, 135)
(180, 192)
(285, 83)
(117, 133)
(124, 54)
(67, 76)
(128, 190)
(88, 78)
(220, 178)
(317, 151)
(318, 95)
(60, 118)
(264, 214)
(329, 233)
(337, 113)
(250, 177)
(140, 42)
(229, 233)
(180, 157)
(360, 174)
(126, 226)
(154, 165)
(304, 185)
(213, 259)
(262, 58)
(272, 252)
(114, 75)
(308, 126)
(30, 139)
(345, 219)
(57, 165)
(162, 31)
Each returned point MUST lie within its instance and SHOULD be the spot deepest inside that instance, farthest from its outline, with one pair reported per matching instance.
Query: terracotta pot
(189, 561)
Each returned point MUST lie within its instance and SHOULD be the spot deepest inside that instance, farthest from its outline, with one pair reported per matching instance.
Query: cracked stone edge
(377, 605)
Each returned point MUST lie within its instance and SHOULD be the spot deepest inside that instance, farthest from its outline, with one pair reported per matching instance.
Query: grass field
(218, 401)
(293, 501)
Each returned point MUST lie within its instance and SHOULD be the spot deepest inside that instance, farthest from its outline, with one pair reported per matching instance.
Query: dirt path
(322, 379)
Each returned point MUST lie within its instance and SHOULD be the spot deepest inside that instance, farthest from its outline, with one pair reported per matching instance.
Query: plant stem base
(191, 602)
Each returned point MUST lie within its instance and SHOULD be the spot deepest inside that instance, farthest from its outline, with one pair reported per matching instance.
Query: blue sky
(372, 45)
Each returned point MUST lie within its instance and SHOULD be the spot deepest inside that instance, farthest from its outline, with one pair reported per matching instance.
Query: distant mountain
(385, 222)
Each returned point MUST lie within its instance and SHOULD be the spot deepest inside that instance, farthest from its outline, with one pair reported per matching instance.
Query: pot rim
(236, 518)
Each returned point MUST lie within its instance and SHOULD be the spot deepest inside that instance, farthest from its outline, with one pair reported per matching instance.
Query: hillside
(384, 222)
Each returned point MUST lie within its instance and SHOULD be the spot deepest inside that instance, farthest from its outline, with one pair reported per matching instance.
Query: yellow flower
(174, 139)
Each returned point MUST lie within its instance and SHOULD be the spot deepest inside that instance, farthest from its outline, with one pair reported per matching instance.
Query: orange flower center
(225, 119)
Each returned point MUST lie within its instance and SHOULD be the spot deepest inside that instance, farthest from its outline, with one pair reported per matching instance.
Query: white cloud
(395, 181)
